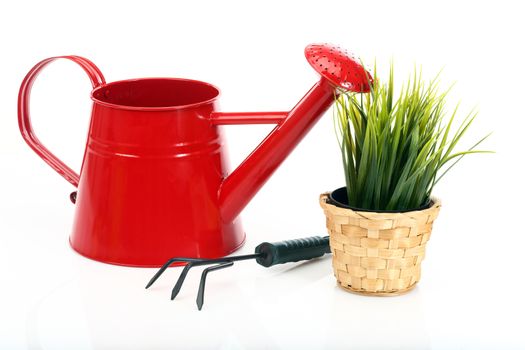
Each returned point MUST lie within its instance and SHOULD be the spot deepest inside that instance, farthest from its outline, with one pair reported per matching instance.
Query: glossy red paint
(244, 182)
(222, 118)
(24, 119)
(154, 181)
(338, 66)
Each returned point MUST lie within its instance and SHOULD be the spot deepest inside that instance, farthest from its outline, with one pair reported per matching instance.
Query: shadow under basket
(378, 253)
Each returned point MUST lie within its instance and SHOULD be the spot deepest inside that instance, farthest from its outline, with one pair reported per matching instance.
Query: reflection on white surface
(107, 307)
(387, 322)
(58, 315)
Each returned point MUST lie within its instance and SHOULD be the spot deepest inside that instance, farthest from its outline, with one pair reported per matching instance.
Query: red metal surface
(24, 116)
(229, 118)
(154, 181)
(338, 66)
(239, 188)
(152, 170)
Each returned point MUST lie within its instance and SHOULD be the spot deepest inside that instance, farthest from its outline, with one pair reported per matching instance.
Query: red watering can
(154, 181)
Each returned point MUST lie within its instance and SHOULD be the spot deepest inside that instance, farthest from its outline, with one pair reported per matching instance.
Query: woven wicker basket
(378, 253)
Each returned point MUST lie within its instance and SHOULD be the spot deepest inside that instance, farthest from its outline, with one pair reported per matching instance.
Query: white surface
(471, 293)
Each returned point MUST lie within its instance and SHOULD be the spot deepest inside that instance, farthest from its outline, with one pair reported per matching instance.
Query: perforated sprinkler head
(340, 68)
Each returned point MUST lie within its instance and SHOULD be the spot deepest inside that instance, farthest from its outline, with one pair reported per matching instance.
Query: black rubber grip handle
(292, 250)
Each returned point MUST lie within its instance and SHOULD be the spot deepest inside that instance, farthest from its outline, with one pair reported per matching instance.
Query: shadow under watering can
(154, 179)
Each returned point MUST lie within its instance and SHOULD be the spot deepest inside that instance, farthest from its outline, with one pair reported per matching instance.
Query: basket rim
(324, 198)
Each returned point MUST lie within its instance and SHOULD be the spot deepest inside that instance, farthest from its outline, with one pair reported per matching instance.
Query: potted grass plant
(395, 149)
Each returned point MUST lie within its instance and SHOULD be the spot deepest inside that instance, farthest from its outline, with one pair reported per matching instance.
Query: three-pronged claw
(219, 263)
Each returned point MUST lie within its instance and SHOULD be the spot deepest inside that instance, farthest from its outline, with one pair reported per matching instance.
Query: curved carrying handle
(24, 117)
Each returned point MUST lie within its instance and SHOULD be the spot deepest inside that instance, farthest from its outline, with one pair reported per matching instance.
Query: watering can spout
(338, 71)
(244, 182)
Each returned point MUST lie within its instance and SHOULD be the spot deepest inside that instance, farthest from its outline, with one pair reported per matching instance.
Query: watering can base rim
(156, 265)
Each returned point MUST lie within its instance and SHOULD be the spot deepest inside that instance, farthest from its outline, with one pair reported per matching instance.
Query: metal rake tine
(200, 294)
(198, 262)
(166, 265)
(180, 281)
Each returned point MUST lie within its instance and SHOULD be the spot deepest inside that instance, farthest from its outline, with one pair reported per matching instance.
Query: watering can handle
(24, 117)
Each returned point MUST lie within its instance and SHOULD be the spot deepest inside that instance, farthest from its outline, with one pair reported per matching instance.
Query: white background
(471, 293)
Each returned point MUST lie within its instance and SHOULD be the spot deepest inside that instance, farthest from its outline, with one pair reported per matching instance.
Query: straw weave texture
(378, 253)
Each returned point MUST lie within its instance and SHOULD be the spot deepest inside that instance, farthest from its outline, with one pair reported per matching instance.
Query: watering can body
(149, 184)
(155, 181)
